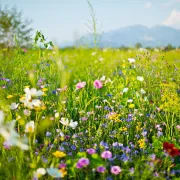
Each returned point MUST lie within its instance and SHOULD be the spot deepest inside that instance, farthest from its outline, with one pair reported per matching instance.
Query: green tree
(12, 23)
(138, 45)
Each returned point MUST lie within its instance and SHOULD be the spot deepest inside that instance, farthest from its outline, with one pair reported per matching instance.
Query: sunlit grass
(112, 125)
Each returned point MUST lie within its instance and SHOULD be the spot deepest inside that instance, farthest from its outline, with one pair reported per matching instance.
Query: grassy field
(89, 114)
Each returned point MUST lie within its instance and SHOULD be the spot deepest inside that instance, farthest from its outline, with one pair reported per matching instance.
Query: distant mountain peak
(159, 35)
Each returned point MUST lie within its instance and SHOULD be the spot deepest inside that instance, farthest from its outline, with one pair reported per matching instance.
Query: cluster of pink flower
(97, 84)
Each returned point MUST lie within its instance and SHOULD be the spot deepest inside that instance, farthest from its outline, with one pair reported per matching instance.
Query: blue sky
(65, 20)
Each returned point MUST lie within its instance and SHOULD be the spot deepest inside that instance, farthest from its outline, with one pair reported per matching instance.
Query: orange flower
(63, 172)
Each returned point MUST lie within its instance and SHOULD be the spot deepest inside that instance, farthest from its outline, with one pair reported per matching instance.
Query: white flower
(60, 132)
(29, 128)
(34, 92)
(94, 53)
(11, 137)
(39, 172)
(66, 122)
(105, 100)
(27, 99)
(108, 80)
(56, 115)
(101, 59)
(14, 106)
(131, 60)
(142, 91)
(145, 99)
(130, 100)
(1, 118)
(137, 95)
(125, 90)
(140, 78)
(72, 124)
(103, 78)
(36, 102)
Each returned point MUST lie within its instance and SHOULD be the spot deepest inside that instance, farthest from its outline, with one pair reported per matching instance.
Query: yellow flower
(123, 129)
(44, 89)
(142, 143)
(114, 117)
(131, 106)
(59, 154)
(9, 96)
(138, 128)
(38, 108)
(63, 172)
(44, 107)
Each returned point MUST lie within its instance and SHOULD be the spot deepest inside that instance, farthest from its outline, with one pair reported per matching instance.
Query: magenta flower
(91, 151)
(98, 84)
(62, 165)
(78, 166)
(115, 170)
(101, 169)
(80, 85)
(82, 163)
(106, 154)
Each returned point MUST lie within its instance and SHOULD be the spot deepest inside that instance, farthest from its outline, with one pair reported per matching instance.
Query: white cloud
(173, 20)
(148, 5)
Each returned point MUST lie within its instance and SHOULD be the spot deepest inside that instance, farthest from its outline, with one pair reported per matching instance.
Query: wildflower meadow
(97, 113)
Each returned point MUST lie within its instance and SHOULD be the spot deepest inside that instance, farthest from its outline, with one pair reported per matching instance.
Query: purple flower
(159, 133)
(131, 170)
(48, 134)
(115, 144)
(115, 170)
(62, 165)
(106, 154)
(144, 133)
(6, 145)
(91, 151)
(101, 169)
(78, 166)
(153, 156)
(82, 163)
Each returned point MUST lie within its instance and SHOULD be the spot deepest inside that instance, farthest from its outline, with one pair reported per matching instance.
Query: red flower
(170, 149)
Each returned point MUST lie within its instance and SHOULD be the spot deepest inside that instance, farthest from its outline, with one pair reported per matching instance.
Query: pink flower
(106, 154)
(82, 163)
(80, 85)
(115, 170)
(98, 84)
(178, 127)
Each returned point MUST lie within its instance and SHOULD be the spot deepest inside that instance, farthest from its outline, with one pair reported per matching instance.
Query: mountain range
(129, 36)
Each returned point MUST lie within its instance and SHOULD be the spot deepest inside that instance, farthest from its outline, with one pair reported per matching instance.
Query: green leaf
(81, 154)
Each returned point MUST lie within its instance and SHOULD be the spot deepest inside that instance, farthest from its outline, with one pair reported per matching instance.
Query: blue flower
(54, 172)
(54, 92)
(73, 147)
(109, 95)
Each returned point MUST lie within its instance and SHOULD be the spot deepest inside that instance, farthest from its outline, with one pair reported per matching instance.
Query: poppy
(170, 149)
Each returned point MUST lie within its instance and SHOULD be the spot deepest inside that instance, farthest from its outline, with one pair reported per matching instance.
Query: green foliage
(12, 23)
(108, 118)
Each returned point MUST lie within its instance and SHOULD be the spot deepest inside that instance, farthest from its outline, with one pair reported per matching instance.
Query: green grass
(132, 125)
